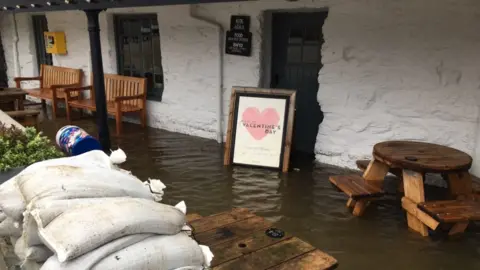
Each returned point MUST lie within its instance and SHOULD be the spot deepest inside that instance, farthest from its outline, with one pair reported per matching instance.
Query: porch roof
(43, 5)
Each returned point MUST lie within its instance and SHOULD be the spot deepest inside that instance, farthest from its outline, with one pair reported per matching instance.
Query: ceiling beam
(57, 5)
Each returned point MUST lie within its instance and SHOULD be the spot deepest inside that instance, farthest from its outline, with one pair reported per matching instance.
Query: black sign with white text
(238, 43)
(240, 23)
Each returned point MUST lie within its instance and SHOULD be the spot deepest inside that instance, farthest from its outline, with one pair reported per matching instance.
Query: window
(39, 27)
(138, 50)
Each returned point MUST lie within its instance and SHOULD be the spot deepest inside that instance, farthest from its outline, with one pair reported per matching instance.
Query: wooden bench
(26, 117)
(359, 191)
(53, 81)
(455, 212)
(124, 95)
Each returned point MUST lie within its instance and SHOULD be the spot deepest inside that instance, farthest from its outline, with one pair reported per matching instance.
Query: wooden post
(376, 172)
(98, 80)
(413, 185)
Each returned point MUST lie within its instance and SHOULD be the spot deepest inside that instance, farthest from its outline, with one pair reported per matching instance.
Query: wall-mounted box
(55, 42)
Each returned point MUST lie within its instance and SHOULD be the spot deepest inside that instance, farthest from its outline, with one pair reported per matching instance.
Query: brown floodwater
(302, 202)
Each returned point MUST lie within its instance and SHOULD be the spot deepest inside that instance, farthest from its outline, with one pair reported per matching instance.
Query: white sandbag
(88, 260)
(3, 216)
(67, 182)
(7, 228)
(12, 202)
(30, 265)
(13, 240)
(156, 188)
(163, 252)
(84, 229)
(38, 253)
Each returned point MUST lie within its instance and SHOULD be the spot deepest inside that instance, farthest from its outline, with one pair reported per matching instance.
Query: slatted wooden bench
(359, 191)
(25, 117)
(53, 81)
(455, 212)
(124, 95)
(239, 240)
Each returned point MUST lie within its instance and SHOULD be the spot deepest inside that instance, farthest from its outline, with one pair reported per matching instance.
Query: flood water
(302, 202)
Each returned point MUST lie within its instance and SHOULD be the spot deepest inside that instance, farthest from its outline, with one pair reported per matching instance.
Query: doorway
(297, 41)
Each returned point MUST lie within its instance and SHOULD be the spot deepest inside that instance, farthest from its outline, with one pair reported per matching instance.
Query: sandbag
(84, 229)
(11, 199)
(38, 253)
(12, 202)
(165, 252)
(88, 260)
(8, 228)
(67, 182)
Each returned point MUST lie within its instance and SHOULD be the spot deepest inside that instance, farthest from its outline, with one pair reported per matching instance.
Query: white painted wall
(392, 69)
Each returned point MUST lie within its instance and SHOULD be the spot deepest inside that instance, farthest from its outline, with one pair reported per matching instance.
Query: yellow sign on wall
(55, 42)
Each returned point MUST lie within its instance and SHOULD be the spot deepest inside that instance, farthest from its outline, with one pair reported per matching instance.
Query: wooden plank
(316, 259)
(413, 209)
(227, 159)
(232, 231)
(351, 203)
(270, 256)
(234, 249)
(413, 185)
(193, 217)
(375, 173)
(221, 219)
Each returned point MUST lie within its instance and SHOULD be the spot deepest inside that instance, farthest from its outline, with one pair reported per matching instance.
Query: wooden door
(296, 61)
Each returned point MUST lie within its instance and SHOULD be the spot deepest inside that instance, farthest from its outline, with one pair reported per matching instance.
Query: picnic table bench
(411, 161)
(239, 240)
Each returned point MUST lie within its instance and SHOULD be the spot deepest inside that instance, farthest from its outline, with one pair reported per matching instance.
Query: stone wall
(392, 69)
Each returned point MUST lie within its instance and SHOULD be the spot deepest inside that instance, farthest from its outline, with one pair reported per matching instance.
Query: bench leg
(54, 109)
(458, 228)
(143, 118)
(360, 207)
(351, 203)
(68, 110)
(118, 118)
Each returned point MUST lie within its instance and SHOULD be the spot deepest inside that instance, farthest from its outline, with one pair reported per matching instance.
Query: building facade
(365, 71)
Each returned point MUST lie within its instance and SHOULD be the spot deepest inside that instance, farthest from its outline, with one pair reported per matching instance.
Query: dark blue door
(296, 61)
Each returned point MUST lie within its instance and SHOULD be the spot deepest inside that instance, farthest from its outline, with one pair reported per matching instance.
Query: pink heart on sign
(253, 121)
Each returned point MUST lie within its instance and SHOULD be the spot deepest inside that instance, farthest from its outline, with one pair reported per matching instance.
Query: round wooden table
(422, 157)
(414, 159)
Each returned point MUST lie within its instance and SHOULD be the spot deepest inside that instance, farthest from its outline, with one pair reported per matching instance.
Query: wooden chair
(53, 81)
(124, 95)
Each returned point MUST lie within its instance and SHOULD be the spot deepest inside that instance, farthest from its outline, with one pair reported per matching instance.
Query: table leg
(413, 186)
(376, 172)
(460, 185)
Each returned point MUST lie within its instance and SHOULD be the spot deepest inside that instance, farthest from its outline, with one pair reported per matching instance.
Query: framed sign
(260, 127)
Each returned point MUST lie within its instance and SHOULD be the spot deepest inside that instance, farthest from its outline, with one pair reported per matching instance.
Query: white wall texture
(392, 69)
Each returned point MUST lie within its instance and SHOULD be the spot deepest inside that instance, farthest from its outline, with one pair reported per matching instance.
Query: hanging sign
(239, 37)
(239, 43)
(260, 127)
(240, 23)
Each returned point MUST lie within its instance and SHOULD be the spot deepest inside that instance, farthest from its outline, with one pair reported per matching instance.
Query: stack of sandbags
(81, 211)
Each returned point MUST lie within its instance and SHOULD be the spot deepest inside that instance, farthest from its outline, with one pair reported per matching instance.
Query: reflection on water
(302, 202)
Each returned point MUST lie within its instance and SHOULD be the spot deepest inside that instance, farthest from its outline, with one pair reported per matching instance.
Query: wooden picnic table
(239, 240)
(415, 159)
(14, 95)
